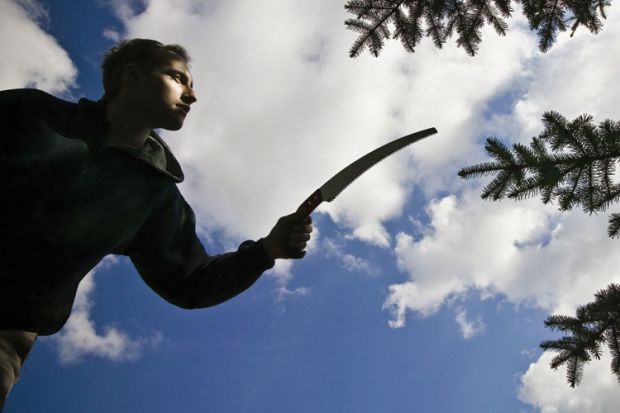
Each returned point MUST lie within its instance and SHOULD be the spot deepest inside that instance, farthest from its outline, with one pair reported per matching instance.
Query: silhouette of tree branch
(440, 19)
(596, 323)
(572, 162)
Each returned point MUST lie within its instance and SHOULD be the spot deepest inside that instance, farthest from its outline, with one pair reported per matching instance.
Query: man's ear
(131, 75)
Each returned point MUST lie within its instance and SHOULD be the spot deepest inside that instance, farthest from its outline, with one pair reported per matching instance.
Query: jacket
(69, 199)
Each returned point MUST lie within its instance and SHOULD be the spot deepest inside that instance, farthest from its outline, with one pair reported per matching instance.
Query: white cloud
(112, 34)
(530, 353)
(35, 10)
(468, 244)
(32, 58)
(282, 276)
(335, 249)
(523, 250)
(282, 292)
(548, 391)
(469, 328)
(576, 76)
(79, 337)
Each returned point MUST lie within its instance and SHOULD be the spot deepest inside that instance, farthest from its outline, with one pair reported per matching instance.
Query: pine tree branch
(408, 29)
(563, 323)
(601, 7)
(613, 230)
(468, 17)
(498, 23)
(490, 167)
(374, 34)
(435, 29)
(613, 341)
(568, 199)
(470, 29)
(595, 323)
(572, 162)
(552, 23)
(574, 371)
(504, 7)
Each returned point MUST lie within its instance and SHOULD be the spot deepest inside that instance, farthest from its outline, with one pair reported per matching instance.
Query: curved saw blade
(334, 186)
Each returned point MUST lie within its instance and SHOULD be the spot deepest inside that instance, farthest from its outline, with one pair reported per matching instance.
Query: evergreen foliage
(411, 20)
(573, 162)
(596, 323)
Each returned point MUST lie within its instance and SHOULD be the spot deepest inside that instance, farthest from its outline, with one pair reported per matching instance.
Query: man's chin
(172, 128)
(172, 125)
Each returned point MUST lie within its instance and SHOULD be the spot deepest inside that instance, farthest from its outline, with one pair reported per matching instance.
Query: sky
(415, 294)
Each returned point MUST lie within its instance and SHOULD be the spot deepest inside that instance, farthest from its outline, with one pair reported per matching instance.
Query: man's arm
(172, 261)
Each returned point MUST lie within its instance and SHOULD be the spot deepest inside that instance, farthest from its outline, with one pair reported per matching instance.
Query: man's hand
(289, 237)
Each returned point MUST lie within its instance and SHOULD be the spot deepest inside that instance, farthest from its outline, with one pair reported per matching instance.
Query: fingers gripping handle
(310, 204)
(304, 210)
(296, 253)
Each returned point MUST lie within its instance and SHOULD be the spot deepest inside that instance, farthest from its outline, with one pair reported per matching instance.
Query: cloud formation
(32, 58)
(469, 328)
(548, 391)
(79, 337)
(335, 249)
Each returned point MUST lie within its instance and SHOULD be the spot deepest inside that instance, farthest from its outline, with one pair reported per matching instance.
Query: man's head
(152, 78)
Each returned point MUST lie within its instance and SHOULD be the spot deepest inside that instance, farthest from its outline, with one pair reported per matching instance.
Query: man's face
(164, 94)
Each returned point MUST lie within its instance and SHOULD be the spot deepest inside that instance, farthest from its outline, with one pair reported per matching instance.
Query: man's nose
(189, 96)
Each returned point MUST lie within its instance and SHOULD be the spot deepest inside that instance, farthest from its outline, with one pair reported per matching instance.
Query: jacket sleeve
(172, 261)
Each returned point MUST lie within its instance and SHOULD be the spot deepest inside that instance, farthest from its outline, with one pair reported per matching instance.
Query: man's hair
(144, 53)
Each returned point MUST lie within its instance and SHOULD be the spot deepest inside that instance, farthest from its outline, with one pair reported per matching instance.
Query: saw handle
(310, 204)
(304, 210)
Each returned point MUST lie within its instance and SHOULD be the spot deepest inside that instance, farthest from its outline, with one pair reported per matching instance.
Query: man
(85, 180)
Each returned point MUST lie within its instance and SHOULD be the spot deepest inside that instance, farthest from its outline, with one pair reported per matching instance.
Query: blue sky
(415, 294)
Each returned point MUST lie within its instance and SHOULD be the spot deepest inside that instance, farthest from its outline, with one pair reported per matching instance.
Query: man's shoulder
(31, 100)
(27, 94)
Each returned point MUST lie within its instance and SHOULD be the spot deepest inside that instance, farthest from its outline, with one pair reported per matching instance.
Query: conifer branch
(435, 29)
(379, 13)
(439, 19)
(596, 323)
(613, 230)
(613, 341)
(571, 162)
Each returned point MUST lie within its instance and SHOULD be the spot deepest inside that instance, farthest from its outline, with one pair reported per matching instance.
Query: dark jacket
(69, 199)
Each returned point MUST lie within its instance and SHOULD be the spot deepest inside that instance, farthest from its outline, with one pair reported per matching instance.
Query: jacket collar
(155, 152)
